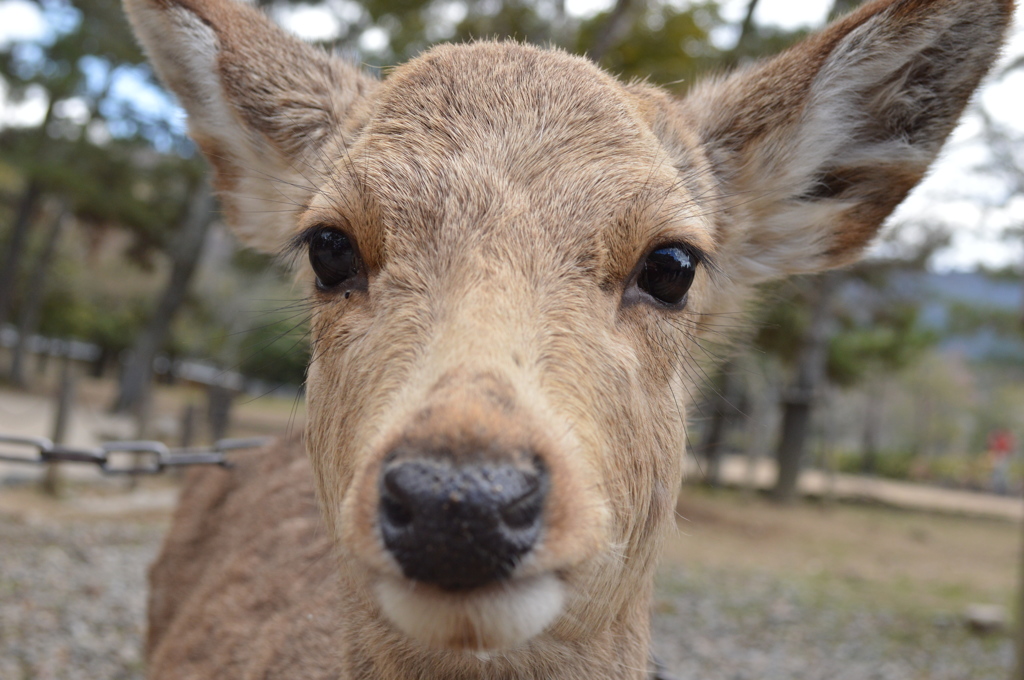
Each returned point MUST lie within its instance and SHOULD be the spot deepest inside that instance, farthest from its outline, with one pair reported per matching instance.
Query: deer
(511, 258)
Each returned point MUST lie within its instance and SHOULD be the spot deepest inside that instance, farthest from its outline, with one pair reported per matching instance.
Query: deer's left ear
(815, 148)
(270, 113)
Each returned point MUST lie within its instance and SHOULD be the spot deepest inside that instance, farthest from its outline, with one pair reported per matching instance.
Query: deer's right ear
(816, 147)
(262, 104)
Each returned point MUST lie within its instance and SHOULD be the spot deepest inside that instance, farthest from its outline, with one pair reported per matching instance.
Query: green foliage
(967, 319)
(251, 262)
(889, 340)
(94, 147)
(277, 352)
(119, 183)
(1002, 407)
(952, 470)
(664, 44)
(889, 464)
(874, 330)
(110, 321)
(783, 320)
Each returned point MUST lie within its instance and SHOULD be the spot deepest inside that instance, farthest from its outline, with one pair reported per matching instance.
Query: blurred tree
(70, 152)
(809, 364)
(32, 307)
(660, 40)
(654, 41)
(841, 7)
(753, 41)
(720, 407)
(806, 346)
(93, 148)
(185, 254)
(276, 351)
(881, 342)
(612, 29)
(942, 391)
(1006, 163)
(842, 328)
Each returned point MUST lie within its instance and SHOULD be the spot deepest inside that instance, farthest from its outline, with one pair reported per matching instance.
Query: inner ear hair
(265, 108)
(829, 137)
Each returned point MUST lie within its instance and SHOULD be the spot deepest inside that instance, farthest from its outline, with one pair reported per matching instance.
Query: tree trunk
(796, 422)
(841, 7)
(758, 415)
(138, 373)
(872, 425)
(799, 397)
(21, 225)
(612, 30)
(714, 431)
(16, 247)
(746, 28)
(32, 306)
(51, 482)
(560, 32)
(828, 449)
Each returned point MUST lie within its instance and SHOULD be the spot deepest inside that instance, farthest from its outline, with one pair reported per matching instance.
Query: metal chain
(42, 451)
(156, 456)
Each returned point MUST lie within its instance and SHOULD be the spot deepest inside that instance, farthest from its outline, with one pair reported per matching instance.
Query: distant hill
(975, 314)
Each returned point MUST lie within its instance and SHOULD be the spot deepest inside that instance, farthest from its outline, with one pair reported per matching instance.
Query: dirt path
(747, 591)
(32, 415)
(737, 471)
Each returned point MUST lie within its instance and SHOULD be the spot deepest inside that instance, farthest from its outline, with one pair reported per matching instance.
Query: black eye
(667, 274)
(333, 258)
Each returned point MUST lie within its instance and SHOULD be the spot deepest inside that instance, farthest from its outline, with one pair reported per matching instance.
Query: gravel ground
(72, 605)
(73, 599)
(740, 627)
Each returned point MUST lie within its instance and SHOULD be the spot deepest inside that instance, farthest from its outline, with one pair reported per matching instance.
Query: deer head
(512, 256)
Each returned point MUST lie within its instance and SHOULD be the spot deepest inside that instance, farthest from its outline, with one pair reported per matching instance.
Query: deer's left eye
(667, 273)
(333, 258)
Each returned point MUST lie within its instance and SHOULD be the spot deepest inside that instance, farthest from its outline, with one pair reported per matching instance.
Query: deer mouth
(471, 528)
(459, 533)
(497, 617)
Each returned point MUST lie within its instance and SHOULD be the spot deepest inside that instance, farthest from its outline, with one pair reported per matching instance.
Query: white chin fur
(500, 617)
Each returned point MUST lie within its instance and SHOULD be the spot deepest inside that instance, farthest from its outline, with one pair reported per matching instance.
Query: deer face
(499, 375)
(510, 255)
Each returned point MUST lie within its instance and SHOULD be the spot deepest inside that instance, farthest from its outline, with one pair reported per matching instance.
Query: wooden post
(142, 410)
(189, 421)
(219, 410)
(51, 484)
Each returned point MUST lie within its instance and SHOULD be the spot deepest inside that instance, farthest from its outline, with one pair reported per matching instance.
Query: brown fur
(502, 198)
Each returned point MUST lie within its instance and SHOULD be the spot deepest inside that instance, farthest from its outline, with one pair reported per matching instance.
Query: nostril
(460, 525)
(524, 511)
(396, 513)
(394, 500)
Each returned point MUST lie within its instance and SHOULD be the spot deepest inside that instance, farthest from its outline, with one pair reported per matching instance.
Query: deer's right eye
(333, 258)
(668, 273)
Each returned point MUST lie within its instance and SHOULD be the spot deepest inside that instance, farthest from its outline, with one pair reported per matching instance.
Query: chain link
(150, 457)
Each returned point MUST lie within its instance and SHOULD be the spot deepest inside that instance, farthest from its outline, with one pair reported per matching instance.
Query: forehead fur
(506, 90)
(499, 136)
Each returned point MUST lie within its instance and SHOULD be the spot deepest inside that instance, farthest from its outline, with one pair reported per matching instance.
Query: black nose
(460, 526)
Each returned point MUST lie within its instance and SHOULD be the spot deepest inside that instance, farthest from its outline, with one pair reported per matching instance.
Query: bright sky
(951, 194)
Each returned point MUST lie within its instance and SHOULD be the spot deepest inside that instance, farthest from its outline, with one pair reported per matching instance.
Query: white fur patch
(186, 50)
(501, 617)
